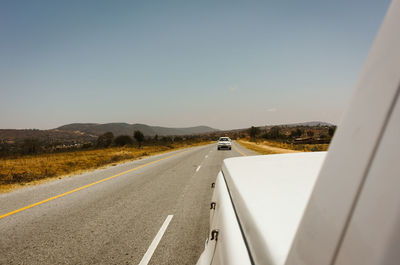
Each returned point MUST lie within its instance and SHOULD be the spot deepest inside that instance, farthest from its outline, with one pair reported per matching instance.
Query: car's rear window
(224, 139)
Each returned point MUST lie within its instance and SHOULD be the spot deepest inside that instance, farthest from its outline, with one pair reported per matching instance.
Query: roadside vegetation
(287, 139)
(34, 163)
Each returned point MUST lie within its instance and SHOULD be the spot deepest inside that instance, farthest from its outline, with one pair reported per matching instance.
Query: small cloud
(232, 88)
(272, 110)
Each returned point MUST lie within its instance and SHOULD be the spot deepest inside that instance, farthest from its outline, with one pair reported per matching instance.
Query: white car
(327, 208)
(224, 143)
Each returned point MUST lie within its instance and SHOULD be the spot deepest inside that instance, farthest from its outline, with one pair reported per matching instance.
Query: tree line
(107, 139)
(32, 146)
(299, 133)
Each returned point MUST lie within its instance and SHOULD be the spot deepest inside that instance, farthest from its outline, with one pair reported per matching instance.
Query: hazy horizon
(152, 125)
(181, 64)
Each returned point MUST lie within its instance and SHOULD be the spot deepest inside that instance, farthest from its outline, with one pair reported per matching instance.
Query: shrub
(139, 137)
(166, 140)
(297, 133)
(87, 145)
(178, 139)
(105, 140)
(31, 146)
(123, 140)
(253, 132)
(274, 133)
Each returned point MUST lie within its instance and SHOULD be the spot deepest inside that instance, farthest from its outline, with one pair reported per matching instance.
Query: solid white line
(198, 168)
(149, 253)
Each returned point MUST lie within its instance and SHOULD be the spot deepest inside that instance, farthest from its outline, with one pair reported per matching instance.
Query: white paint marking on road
(149, 253)
(198, 168)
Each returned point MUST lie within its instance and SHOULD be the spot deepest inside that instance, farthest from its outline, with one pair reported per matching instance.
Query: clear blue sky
(226, 64)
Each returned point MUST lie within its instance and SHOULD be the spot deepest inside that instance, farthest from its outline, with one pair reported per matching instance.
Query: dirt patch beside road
(265, 149)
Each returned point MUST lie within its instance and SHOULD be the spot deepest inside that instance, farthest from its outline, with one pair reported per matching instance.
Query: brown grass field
(271, 147)
(28, 170)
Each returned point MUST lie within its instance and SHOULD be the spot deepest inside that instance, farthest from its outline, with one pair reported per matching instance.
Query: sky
(224, 64)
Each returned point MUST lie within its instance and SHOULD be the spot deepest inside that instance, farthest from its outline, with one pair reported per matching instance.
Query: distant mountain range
(289, 125)
(84, 132)
(87, 132)
(310, 123)
(125, 128)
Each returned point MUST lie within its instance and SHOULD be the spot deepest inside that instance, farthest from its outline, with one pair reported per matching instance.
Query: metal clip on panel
(214, 234)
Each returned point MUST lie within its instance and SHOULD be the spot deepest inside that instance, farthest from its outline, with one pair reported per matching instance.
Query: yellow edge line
(86, 186)
(234, 147)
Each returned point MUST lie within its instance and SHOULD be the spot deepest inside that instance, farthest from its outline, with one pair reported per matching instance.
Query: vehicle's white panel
(270, 194)
(210, 245)
(230, 247)
(351, 150)
(373, 235)
(214, 199)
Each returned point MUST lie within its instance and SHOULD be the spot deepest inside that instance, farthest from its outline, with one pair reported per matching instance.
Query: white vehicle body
(269, 204)
(224, 143)
(334, 208)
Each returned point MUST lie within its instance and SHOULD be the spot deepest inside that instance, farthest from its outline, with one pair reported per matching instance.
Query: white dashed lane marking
(149, 253)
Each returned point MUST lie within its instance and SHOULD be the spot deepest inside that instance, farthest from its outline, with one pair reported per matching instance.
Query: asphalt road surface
(149, 211)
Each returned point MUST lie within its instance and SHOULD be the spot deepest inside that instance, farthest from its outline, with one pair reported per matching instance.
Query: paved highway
(149, 211)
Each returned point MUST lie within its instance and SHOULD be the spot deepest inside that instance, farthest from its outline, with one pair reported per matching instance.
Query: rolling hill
(125, 128)
(50, 136)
